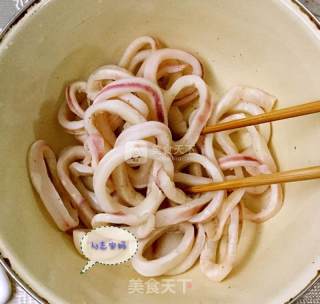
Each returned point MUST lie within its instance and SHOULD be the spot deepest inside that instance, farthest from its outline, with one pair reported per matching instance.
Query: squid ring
(41, 160)
(157, 267)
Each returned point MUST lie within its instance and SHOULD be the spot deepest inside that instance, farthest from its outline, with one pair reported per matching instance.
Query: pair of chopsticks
(263, 179)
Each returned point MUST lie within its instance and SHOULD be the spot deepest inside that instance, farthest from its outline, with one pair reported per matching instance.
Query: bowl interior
(265, 44)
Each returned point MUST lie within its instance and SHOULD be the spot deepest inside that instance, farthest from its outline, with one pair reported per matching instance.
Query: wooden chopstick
(295, 111)
(260, 180)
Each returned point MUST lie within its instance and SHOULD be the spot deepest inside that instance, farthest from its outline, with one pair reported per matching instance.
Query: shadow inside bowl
(249, 242)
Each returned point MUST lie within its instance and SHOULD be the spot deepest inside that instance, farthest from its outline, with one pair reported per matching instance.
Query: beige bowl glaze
(266, 44)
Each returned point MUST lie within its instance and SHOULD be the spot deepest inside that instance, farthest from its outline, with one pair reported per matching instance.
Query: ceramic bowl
(271, 45)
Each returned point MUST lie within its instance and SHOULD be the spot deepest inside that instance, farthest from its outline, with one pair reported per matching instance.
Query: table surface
(8, 8)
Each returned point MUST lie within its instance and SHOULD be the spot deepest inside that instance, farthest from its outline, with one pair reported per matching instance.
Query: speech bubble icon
(107, 245)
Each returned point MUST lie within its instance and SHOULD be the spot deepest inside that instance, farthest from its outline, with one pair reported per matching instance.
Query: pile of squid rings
(138, 126)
